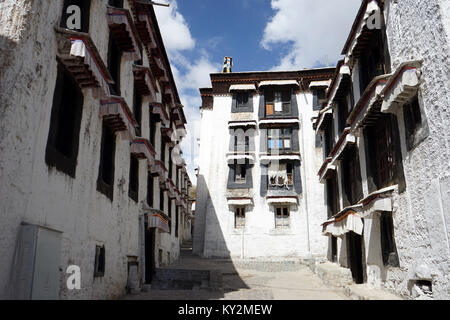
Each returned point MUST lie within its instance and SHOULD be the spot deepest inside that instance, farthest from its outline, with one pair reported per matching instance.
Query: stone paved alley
(258, 280)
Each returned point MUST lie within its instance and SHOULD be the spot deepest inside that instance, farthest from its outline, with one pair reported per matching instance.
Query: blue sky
(260, 35)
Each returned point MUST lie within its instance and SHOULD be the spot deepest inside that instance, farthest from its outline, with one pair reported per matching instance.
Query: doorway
(354, 256)
(149, 253)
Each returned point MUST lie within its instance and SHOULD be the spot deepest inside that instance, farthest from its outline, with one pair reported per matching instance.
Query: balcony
(116, 113)
(144, 82)
(78, 53)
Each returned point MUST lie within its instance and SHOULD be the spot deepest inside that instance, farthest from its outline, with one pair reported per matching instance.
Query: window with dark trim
(372, 61)
(99, 265)
(153, 122)
(282, 217)
(242, 99)
(150, 190)
(413, 121)
(133, 190)
(278, 103)
(177, 220)
(169, 213)
(332, 196)
(170, 163)
(388, 247)
(352, 177)
(105, 181)
(63, 138)
(285, 177)
(342, 114)
(137, 110)
(114, 61)
(116, 3)
(240, 171)
(66, 17)
(239, 217)
(279, 140)
(161, 199)
(328, 139)
(163, 152)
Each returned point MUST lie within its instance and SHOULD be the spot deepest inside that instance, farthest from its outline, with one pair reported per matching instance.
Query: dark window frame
(150, 190)
(65, 124)
(388, 246)
(276, 185)
(99, 261)
(282, 135)
(137, 110)
(240, 172)
(114, 64)
(107, 162)
(412, 115)
(285, 95)
(133, 186)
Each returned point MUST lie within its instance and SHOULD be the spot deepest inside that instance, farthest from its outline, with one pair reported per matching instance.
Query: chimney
(227, 65)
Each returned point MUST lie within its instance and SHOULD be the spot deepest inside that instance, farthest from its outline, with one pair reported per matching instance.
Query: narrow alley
(286, 279)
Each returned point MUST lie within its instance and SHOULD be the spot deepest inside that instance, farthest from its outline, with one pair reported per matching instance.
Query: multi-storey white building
(386, 149)
(90, 117)
(257, 195)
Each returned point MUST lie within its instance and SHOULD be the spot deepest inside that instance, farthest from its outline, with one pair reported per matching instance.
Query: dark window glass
(413, 121)
(352, 177)
(170, 163)
(65, 122)
(105, 181)
(388, 247)
(163, 152)
(137, 110)
(133, 190)
(177, 221)
(153, 122)
(99, 266)
(116, 3)
(169, 209)
(161, 200)
(240, 171)
(372, 60)
(114, 61)
(242, 98)
(150, 180)
(66, 18)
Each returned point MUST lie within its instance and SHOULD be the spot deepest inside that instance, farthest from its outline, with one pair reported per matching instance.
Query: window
(240, 171)
(280, 175)
(150, 189)
(137, 110)
(385, 161)
(133, 190)
(332, 196)
(372, 60)
(278, 103)
(352, 177)
(242, 98)
(169, 209)
(163, 152)
(116, 3)
(342, 115)
(281, 217)
(170, 163)
(177, 221)
(153, 122)
(388, 247)
(99, 266)
(241, 140)
(161, 199)
(413, 121)
(239, 217)
(279, 140)
(114, 61)
(105, 181)
(67, 17)
(62, 144)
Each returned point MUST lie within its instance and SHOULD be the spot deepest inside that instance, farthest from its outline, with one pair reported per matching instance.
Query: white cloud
(314, 31)
(174, 29)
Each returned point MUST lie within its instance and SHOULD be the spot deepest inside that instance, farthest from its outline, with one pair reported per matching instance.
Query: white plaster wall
(215, 219)
(32, 192)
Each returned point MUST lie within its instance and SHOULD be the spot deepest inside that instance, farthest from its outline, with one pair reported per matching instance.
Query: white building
(386, 149)
(90, 117)
(257, 194)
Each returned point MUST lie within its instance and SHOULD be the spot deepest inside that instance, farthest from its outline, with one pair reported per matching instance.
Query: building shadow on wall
(219, 259)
